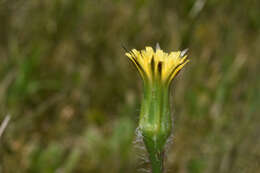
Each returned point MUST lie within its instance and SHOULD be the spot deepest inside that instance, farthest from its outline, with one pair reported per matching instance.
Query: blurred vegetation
(74, 98)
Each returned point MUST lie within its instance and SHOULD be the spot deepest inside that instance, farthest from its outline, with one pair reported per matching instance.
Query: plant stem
(157, 162)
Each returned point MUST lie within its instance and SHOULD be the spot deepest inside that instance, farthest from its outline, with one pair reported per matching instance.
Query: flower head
(158, 65)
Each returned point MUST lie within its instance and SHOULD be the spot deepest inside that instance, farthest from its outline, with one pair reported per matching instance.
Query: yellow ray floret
(157, 65)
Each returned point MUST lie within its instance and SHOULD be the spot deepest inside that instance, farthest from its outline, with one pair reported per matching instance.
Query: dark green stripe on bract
(138, 64)
(134, 57)
(160, 68)
(168, 78)
(174, 71)
(152, 65)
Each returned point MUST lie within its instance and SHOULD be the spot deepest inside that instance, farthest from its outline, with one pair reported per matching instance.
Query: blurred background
(74, 97)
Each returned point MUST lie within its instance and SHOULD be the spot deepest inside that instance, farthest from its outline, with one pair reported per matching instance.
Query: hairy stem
(157, 162)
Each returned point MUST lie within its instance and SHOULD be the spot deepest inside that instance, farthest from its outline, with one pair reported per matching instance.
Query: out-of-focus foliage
(74, 97)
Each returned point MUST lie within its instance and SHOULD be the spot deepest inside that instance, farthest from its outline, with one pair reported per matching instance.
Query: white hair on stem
(4, 124)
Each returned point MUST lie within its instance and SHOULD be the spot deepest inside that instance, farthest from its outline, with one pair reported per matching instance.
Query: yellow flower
(157, 69)
(158, 65)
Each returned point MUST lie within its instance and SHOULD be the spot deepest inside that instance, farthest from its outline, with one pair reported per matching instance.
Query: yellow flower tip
(158, 65)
